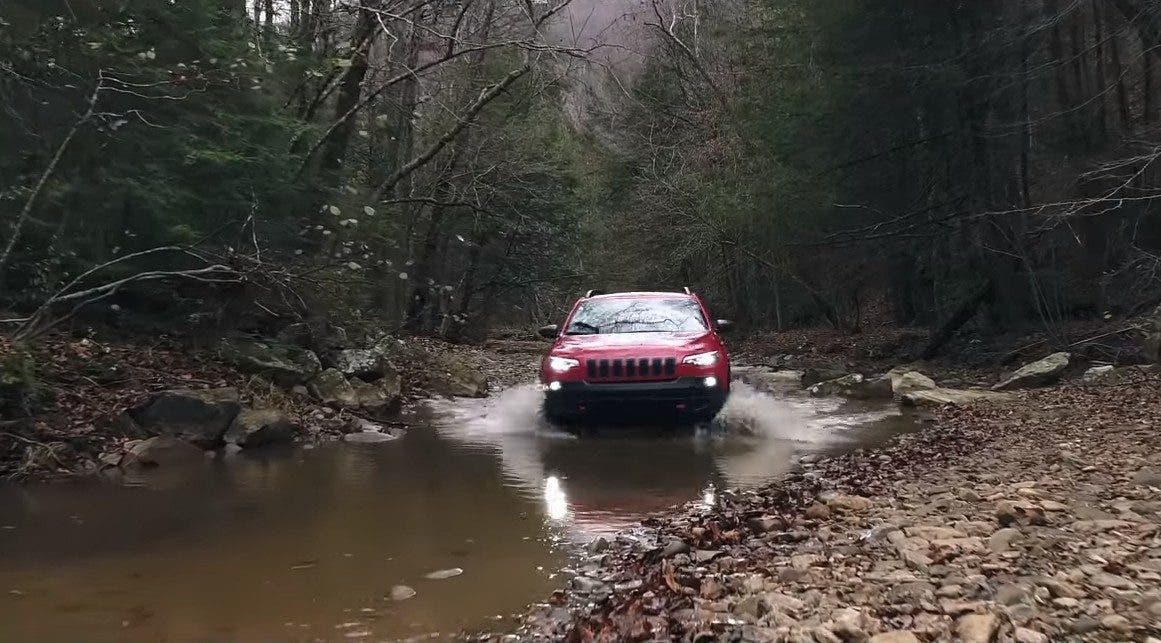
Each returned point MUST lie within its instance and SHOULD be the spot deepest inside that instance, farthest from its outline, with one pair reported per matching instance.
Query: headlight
(562, 364)
(702, 359)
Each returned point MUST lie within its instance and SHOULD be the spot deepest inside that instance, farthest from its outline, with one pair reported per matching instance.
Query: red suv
(620, 354)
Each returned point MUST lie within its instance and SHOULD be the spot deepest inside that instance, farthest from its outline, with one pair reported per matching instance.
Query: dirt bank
(1030, 521)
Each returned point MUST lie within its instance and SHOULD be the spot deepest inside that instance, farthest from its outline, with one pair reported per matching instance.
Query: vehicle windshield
(623, 315)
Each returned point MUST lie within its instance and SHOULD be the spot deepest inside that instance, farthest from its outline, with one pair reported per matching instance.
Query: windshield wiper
(589, 329)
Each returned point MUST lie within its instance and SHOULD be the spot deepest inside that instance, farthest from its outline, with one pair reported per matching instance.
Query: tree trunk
(1119, 71)
(961, 316)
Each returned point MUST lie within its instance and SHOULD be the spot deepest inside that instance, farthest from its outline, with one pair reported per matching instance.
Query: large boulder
(284, 364)
(910, 381)
(160, 451)
(332, 388)
(258, 427)
(1040, 372)
(454, 378)
(953, 397)
(377, 397)
(367, 364)
(197, 416)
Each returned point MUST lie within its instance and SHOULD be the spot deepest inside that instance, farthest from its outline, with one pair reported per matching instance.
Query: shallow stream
(476, 509)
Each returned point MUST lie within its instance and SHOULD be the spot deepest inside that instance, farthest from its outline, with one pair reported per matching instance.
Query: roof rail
(687, 290)
(593, 293)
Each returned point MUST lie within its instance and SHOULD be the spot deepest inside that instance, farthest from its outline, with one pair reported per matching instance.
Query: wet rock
(369, 437)
(197, 416)
(284, 364)
(977, 628)
(258, 427)
(586, 585)
(763, 524)
(673, 548)
(598, 545)
(444, 574)
(402, 593)
(161, 451)
(1040, 372)
(703, 556)
(899, 636)
(379, 397)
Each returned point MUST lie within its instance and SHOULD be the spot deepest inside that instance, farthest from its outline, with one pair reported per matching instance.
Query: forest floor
(1035, 519)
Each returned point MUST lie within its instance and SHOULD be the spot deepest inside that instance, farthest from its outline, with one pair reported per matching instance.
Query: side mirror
(724, 325)
(549, 332)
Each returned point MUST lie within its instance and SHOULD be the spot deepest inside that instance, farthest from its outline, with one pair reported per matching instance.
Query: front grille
(631, 368)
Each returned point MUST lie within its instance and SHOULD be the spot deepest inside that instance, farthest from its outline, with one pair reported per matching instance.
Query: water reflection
(616, 475)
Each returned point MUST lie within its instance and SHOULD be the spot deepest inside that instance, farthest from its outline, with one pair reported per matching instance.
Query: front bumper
(685, 397)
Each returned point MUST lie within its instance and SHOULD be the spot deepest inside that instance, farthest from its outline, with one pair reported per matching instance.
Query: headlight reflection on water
(555, 500)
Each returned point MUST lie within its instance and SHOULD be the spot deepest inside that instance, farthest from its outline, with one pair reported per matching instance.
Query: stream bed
(454, 527)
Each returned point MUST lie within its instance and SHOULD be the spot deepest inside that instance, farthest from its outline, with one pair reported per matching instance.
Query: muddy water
(308, 544)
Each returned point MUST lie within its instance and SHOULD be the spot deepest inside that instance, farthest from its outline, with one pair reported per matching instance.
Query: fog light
(555, 386)
(711, 382)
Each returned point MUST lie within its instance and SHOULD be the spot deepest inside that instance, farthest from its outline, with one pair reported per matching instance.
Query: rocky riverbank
(92, 405)
(1031, 518)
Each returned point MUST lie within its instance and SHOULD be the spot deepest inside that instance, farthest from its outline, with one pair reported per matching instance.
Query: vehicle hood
(626, 343)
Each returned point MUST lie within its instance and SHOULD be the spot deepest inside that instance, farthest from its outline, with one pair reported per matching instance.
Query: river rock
(332, 388)
(977, 628)
(257, 427)
(369, 364)
(197, 416)
(901, 636)
(161, 451)
(451, 377)
(377, 397)
(1107, 375)
(909, 382)
(1040, 372)
(848, 503)
(402, 593)
(814, 375)
(370, 437)
(444, 574)
(284, 364)
(950, 397)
